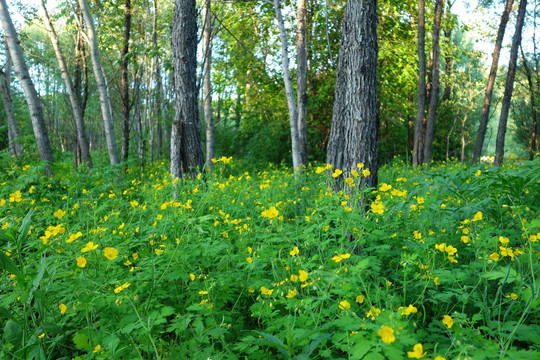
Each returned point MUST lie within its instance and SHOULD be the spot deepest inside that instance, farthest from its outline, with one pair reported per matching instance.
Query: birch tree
(104, 99)
(421, 105)
(73, 97)
(15, 148)
(30, 93)
(207, 83)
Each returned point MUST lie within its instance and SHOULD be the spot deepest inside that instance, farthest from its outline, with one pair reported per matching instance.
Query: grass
(104, 264)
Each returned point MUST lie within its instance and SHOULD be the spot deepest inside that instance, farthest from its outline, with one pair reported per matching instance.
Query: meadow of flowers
(255, 264)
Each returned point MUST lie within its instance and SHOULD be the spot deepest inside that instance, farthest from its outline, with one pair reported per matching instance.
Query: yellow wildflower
(417, 353)
(344, 305)
(448, 321)
(387, 334)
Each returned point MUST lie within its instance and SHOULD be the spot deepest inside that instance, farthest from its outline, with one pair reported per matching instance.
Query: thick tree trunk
(434, 97)
(301, 79)
(32, 99)
(104, 99)
(125, 85)
(289, 92)
(184, 51)
(207, 86)
(15, 148)
(82, 143)
(484, 117)
(509, 87)
(418, 149)
(355, 121)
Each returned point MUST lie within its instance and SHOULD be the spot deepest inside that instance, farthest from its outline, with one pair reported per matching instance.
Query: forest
(197, 179)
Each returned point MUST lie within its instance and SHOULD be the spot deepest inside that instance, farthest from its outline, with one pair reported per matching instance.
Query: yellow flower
(533, 238)
(338, 258)
(74, 237)
(387, 334)
(448, 321)
(494, 257)
(110, 253)
(344, 305)
(2, 202)
(354, 173)
(512, 296)
(417, 353)
(62, 308)
(270, 213)
(360, 299)
(366, 172)
(349, 181)
(419, 200)
(89, 246)
(294, 278)
(506, 251)
(249, 259)
(303, 275)
(59, 213)
(15, 197)
(436, 281)
(203, 292)
(97, 348)
(250, 250)
(41, 336)
(438, 357)
(440, 247)
(360, 165)
(81, 261)
(294, 251)
(336, 173)
(478, 216)
(465, 239)
(134, 203)
(291, 294)
(385, 187)
(192, 277)
(503, 240)
(409, 310)
(450, 250)
(266, 291)
(377, 207)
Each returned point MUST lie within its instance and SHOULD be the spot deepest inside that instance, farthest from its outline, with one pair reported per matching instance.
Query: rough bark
(289, 92)
(421, 105)
(125, 84)
(355, 121)
(301, 79)
(484, 117)
(82, 142)
(104, 99)
(528, 74)
(184, 52)
(31, 96)
(15, 148)
(207, 84)
(434, 96)
(509, 86)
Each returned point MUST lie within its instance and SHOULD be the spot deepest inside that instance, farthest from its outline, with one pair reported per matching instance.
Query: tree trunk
(355, 121)
(184, 52)
(509, 87)
(434, 97)
(73, 97)
(207, 87)
(528, 74)
(301, 79)
(484, 117)
(104, 99)
(15, 148)
(291, 102)
(421, 106)
(125, 85)
(30, 93)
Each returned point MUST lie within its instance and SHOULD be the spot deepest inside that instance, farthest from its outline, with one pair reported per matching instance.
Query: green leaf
(81, 341)
(8, 265)
(12, 333)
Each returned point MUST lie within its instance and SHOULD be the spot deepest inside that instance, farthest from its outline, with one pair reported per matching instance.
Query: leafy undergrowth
(107, 264)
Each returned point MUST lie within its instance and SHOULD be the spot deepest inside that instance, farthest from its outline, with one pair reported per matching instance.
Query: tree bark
(125, 85)
(528, 74)
(421, 105)
(484, 117)
(509, 87)
(434, 97)
(73, 97)
(30, 93)
(104, 99)
(207, 86)
(184, 51)
(355, 121)
(15, 148)
(301, 79)
(289, 92)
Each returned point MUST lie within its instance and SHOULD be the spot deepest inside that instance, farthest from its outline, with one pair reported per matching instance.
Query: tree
(104, 98)
(534, 111)
(301, 78)
(186, 145)
(15, 148)
(355, 121)
(484, 117)
(421, 106)
(434, 96)
(73, 97)
(207, 87)
(31, 96)
(509, 86)
(125, 85)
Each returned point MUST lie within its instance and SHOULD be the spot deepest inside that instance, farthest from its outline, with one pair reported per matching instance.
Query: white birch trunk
(207, 84)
